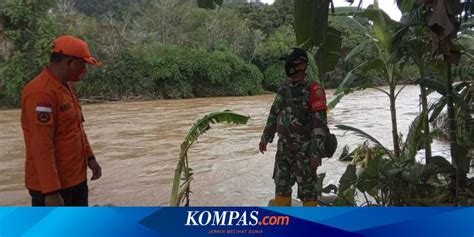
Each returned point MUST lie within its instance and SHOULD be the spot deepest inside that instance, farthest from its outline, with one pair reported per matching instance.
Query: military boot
(282, 201)
(310, 204)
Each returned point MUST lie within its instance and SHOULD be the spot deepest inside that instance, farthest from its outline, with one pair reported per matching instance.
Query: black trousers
(77, 195)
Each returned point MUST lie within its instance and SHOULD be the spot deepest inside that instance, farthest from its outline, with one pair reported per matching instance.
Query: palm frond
(382, 25)
(433, 84)
(363, 134)
(467, 25)
(460, 90)
(436, 108)
(415, 136)
(442, 165)
(360, 48)
(349, 78)
(356, 24)
(415, 17)
(465, 42)
(464, 73)
(345, 87)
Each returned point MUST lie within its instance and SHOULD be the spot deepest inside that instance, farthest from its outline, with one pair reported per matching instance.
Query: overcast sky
(389, 6)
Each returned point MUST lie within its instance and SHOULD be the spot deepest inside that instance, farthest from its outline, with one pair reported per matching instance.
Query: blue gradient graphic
(167, 221)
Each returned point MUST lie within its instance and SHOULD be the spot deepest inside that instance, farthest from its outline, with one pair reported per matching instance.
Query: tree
(411, 42)
(379, 37)
(265, 18)
(97, 8)
(29, 31)
(443, 20)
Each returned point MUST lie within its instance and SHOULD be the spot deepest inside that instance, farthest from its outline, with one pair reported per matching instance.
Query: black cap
(295, 54)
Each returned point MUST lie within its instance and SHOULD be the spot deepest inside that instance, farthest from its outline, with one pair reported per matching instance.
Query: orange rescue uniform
(57, 148)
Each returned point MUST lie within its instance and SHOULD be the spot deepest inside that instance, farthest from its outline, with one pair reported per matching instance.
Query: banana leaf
(200, 127)
(415, 138)
(363, 134)
(312, 31)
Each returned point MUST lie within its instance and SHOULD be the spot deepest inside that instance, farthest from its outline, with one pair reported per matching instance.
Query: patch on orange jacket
(43, 117)
(44, 112)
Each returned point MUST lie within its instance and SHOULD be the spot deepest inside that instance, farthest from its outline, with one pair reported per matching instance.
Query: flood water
(137, 144)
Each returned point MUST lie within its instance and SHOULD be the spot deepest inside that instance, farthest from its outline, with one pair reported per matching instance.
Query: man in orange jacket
(57, 150)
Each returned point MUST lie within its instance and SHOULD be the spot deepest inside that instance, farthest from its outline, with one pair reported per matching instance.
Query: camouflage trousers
(292, 164)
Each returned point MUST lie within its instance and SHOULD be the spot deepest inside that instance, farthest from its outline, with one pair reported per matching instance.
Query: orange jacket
(57, 148)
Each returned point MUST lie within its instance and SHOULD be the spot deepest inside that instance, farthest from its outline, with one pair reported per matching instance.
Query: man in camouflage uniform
(298, 115)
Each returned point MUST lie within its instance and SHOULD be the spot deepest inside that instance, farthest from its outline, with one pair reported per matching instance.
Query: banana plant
(399, 181)
(183, 174)
(449, 42)
(462, 99)
(446, 40)
(412, 44)
(411, 145)
(379, 38)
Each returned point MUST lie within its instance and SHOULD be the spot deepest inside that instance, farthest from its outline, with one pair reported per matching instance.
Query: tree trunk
(452, 127)
(393, 113)
(450, 104)
(426, 124)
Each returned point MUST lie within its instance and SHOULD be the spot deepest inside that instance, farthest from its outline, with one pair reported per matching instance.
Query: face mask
(291, 69)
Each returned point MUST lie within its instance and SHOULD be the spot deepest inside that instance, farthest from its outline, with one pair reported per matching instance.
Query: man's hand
(315, 162)
(54, 200)
(96, 169)
(262, 146)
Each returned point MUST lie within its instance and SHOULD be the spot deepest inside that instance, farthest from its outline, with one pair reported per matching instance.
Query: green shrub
(126, 77)
(274, 75)
(171, 72)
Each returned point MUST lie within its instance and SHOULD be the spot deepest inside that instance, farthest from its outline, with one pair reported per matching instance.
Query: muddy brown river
(137, 144)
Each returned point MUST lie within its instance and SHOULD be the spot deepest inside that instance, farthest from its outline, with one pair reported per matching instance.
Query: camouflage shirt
(296, 123)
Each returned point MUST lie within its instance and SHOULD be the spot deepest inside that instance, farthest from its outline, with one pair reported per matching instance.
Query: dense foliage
(159, 48)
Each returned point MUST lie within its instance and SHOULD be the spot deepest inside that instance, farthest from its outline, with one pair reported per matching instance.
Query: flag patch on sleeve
(43, 113)
(43, 107)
